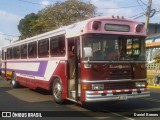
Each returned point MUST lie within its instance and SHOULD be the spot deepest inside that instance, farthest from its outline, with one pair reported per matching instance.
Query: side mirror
(88, 52)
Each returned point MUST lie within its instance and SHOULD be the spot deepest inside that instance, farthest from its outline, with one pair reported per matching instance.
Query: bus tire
(14, 83)
(57, 91)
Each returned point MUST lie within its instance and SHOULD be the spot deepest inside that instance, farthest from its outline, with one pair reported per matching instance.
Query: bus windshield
(114, 47)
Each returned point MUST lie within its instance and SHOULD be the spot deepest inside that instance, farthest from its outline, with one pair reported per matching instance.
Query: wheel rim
(57, 91)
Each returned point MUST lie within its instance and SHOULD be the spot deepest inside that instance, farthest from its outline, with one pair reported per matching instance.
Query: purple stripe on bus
(39, 73)
(42, 68)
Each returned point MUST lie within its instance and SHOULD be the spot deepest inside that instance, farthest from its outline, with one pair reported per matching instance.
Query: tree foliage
(55, 16)
(26, 25)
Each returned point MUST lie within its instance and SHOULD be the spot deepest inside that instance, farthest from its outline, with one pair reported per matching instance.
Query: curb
(157, 87)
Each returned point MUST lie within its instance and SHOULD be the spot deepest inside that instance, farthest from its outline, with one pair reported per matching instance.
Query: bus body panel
(114, 76)
(38, 74)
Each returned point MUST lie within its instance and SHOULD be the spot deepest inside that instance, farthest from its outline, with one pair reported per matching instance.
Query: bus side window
(2, 54)
(43, 47)
(16, 52)
(32, 50)
(57, 46)
(24, 51)
(9, 53)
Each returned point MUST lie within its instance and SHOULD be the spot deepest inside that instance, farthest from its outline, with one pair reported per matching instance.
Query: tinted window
(9, 53)
(57, 46)
(2, 54)
(24, 51)
(32, 50)
(16, 52)
(43, 48)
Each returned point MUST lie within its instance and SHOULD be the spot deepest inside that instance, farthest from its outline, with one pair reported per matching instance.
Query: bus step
(73, 93)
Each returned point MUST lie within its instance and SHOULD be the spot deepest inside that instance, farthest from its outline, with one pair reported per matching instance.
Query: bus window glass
(2, 54)
(24, 51)
(9, 53)
(16, 52)
(43, 48)
(32, 50)
(119, 48)
(57, 46)
(133, 46)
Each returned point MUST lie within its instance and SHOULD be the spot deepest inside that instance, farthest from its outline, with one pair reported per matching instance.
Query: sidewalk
(152, 86)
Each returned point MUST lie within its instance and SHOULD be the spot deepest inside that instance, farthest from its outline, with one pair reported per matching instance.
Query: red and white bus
(99, 59)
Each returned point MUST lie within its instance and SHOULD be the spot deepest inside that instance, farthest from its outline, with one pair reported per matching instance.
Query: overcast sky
(11, 11)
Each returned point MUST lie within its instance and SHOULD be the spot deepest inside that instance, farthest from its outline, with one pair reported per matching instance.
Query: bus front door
(73, 69)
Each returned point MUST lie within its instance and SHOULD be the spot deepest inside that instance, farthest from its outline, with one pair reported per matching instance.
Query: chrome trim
(111, 97)
(114, 62)
(62, 61)
(86, 65)
(107, 81)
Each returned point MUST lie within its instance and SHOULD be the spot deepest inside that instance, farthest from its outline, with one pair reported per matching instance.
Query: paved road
(24, 99)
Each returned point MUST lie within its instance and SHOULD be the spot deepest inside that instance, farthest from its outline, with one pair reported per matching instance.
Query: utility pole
(148, 14)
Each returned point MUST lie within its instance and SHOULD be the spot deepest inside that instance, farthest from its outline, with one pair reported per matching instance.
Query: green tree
(68, 12)
(55, 16)
(26, 25)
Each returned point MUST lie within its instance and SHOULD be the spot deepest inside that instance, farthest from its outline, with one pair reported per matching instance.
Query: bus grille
(120, 85)
(119, 74)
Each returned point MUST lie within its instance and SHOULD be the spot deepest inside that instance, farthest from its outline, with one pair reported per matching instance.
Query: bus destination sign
(117, 27)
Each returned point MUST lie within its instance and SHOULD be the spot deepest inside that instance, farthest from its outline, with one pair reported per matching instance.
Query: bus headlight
(97, 86)
(140, 84)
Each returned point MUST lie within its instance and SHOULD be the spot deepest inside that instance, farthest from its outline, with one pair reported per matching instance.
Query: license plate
(122, 97)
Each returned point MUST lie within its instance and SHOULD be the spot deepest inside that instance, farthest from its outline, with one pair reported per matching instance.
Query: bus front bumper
(115, 95)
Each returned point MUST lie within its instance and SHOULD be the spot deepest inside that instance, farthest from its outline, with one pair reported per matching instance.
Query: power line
(120, 7)
(157, 11)
(114, 8)
(140, 5)
(9, 35)
(94, 1)
(143, 13)
(30, 2)
(137, 15)
(143, 3)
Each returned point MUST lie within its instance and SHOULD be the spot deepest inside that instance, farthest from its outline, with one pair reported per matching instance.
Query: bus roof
(72, 30)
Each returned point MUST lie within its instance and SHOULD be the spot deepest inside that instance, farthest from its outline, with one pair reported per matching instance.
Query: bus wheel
(14, 83)
(57, 91)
